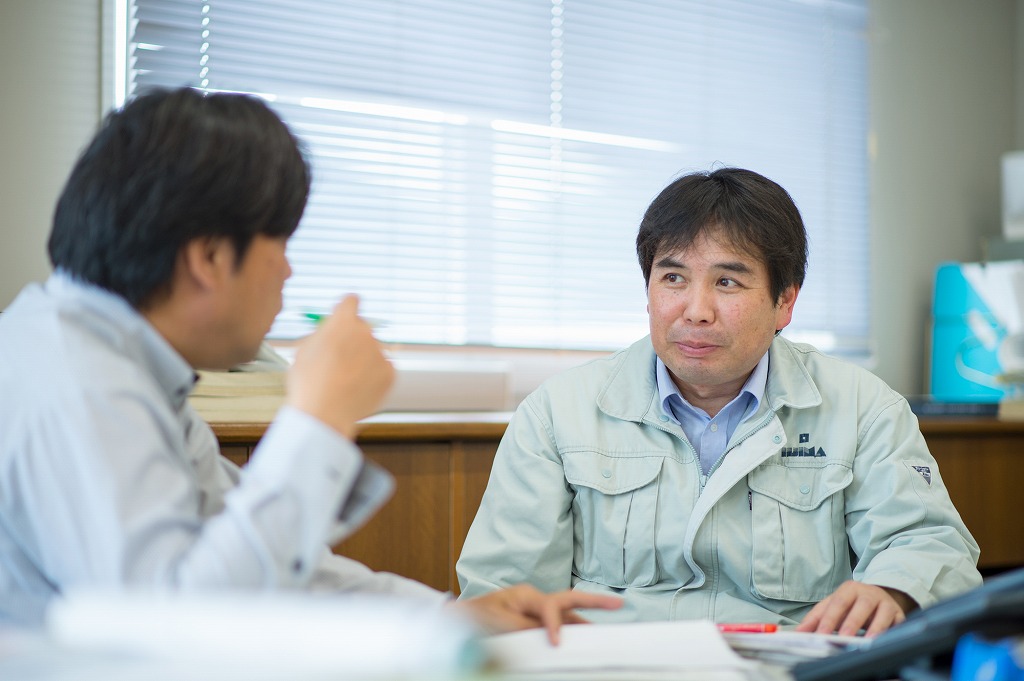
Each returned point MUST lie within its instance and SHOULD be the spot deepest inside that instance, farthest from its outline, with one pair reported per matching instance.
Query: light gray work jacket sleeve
(523, 531)
(900, 521)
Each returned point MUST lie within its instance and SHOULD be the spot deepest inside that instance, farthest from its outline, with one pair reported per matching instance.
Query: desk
(441, 463)
(982, 464)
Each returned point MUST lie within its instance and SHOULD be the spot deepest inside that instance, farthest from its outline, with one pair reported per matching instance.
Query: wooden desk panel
(441, 464)
(982, 464)
(409, 535)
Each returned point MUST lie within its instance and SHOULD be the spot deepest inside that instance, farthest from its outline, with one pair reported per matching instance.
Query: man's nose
(700, 307)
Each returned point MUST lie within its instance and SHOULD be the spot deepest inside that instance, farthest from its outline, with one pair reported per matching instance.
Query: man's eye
(727, 282)
(673, 278)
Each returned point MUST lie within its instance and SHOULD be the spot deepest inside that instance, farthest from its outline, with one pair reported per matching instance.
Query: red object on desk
(754, 628)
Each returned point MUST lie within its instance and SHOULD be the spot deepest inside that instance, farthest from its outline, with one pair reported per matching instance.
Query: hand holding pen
(340, 373)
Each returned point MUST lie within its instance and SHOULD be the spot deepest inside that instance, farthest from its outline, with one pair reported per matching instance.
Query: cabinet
(441, 463)
(982, 463)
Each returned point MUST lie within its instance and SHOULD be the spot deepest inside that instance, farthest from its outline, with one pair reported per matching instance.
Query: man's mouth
(695, 348)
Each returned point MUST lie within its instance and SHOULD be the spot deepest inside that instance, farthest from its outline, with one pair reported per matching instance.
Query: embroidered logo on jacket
(810, 451)
(926, 473)
(803, 451)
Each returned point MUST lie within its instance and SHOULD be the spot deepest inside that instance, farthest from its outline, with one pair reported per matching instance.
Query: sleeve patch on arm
(925, 471)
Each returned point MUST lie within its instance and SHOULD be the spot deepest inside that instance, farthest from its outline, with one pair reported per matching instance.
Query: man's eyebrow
(670, 262)
(738, 267)
(729, 266)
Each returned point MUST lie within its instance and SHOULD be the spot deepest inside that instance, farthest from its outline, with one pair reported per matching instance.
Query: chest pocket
(800, 551)
(614, 516)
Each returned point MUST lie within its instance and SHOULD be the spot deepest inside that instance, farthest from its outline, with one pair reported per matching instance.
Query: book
(1011, 409)
(237, 396)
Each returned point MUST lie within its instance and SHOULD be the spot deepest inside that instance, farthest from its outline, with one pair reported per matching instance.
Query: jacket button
(606, 473)
(804, 489)
(777, 439)
(663, 418)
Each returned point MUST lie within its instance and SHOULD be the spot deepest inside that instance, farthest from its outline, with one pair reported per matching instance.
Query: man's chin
(237, 361)
(220, 366)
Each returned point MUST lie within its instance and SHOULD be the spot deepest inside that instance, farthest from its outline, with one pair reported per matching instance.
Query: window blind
(480, 168)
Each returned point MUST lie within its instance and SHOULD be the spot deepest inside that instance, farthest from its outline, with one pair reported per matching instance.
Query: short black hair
(747, 209)
(167, 168)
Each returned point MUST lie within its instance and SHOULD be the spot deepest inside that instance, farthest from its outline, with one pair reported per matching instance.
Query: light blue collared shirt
(710, 436)
(111, 479)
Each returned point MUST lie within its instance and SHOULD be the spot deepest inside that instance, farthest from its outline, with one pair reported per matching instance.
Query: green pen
(317, 317)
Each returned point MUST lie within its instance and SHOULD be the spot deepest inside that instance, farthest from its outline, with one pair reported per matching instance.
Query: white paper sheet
(636, 650)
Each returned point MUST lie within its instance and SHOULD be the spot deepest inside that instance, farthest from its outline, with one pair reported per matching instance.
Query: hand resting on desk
(855, 606)
(524, 607)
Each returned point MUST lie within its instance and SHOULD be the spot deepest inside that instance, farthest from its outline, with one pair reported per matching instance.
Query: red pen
(752, 628)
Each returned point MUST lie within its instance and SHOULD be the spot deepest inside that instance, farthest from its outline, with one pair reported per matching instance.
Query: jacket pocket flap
(799, 488)
(610, 474)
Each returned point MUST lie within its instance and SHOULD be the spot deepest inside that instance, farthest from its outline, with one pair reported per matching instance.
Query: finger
(345, 312)
(550, 613)
(838, 608)
(496, 613)
(505, 620)
(348, 305)
(877, 626)
(831, 620)
(572, 617)
(811, 619)
(562, 604)
(860, 613)
(885, 617)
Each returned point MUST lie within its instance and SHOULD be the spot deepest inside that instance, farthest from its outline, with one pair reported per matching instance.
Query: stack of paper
(786, 648)
(238, 396)
(636, 651)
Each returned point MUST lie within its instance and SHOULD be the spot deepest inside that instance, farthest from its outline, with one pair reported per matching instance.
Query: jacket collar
(789, 383)
(631, 393)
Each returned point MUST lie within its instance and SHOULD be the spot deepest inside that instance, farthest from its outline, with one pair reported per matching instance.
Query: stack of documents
(786, 648)
(238, 396)
(639, 651)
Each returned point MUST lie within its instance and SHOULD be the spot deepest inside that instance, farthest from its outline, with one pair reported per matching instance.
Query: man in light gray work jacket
(714, 469)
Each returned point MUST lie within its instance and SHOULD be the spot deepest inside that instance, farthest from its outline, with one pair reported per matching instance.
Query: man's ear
(207, 260)
(784, 307)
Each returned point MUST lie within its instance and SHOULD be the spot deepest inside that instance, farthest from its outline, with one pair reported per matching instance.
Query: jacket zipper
(760, 427)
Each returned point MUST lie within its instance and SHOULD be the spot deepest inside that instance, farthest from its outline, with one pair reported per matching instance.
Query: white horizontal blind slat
(481, 168)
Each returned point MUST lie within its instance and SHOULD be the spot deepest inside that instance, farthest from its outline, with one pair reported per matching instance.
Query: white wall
(942, 113)
(49, 77)
(1018, 48)
(947, 90)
